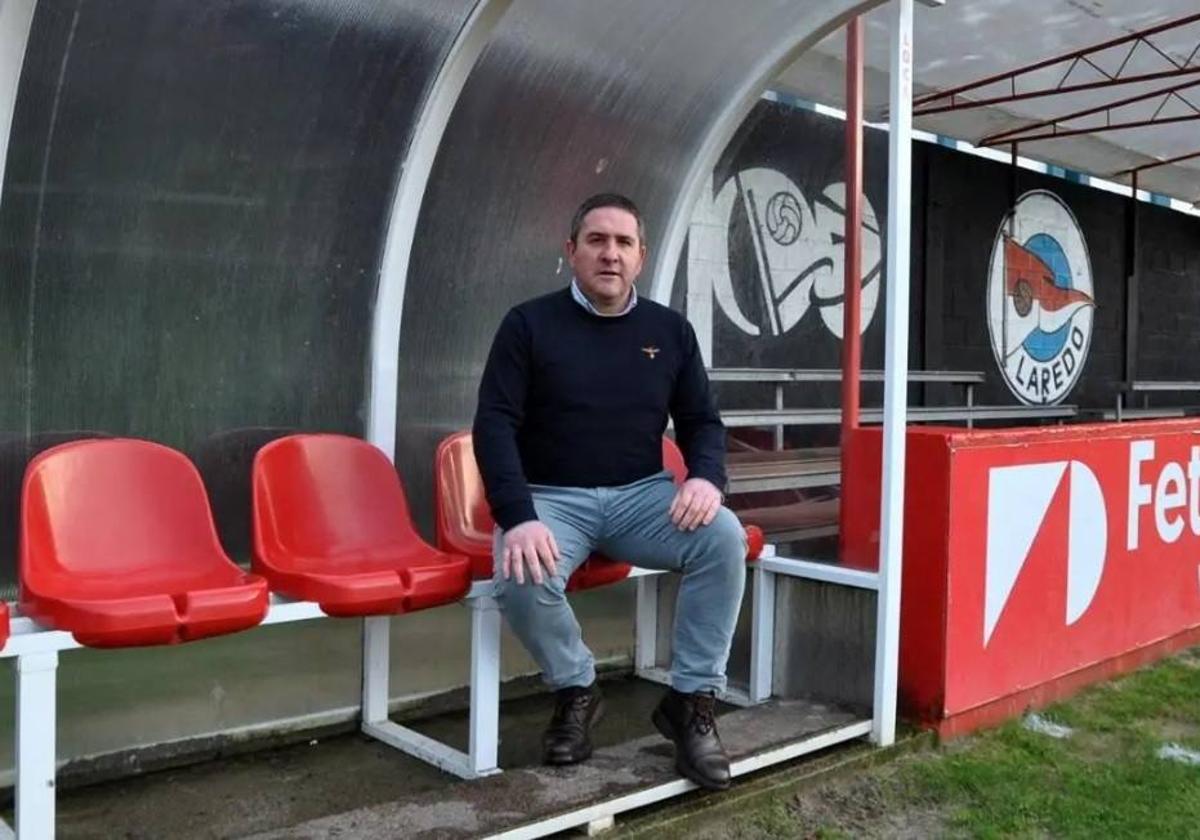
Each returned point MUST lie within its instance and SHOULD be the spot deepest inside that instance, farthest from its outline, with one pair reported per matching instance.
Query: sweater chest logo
(651, 351)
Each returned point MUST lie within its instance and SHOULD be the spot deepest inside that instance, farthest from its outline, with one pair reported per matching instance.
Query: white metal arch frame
(895, 390)
(16, 19)
(35, 667)
(807, 29)
(887, 582)
(406, 208)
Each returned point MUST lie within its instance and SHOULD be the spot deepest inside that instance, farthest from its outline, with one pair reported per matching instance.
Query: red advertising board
(1032, 554)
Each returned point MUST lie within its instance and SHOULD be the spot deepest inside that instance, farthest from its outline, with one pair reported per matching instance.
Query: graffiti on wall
(799, 255)
(1040, 299)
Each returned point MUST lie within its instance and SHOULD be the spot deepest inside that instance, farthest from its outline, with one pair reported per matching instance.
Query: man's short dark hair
(599, 200)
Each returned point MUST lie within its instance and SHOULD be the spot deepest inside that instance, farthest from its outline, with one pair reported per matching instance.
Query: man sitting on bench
(568, 436)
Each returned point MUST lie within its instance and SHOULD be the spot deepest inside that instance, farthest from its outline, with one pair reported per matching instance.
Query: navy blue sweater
(573, 399)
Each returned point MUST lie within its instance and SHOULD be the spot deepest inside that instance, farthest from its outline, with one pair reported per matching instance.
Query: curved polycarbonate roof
(571, 97)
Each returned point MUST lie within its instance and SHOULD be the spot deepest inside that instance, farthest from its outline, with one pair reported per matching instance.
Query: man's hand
(695, 504)
(529, 544)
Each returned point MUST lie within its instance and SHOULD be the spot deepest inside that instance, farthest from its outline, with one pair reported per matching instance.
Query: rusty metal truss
(1068, 125)
(1154, 164)
(1073, 64)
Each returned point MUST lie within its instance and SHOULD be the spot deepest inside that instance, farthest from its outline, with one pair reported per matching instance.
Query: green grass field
(1103, 781)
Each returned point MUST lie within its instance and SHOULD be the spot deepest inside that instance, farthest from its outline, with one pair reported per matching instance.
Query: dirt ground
(869, 805)
(866, 806)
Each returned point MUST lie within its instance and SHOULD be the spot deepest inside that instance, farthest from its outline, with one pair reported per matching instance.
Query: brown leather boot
(690, 721)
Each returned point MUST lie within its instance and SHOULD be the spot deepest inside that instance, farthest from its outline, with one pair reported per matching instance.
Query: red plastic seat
(118, 548)
(465, 524)
(331, 525)
(5, 625)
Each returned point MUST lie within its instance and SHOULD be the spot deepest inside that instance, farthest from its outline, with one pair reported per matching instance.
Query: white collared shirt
(582, 300)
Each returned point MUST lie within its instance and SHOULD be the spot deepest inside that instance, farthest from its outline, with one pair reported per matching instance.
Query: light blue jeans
(630, 523)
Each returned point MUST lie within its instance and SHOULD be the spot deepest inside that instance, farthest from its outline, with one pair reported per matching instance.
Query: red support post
(852, 300)
(851, 317)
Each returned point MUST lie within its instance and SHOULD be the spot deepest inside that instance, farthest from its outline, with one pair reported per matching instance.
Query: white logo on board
(799, 251)
(1018, 500)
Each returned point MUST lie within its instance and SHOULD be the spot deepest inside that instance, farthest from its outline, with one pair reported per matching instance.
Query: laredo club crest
(1040, 299)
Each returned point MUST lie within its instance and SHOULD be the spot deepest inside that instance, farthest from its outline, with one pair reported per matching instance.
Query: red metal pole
(851, 320)
(851, 301)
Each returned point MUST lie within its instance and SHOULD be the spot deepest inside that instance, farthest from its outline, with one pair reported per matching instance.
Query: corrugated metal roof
(968, 40)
